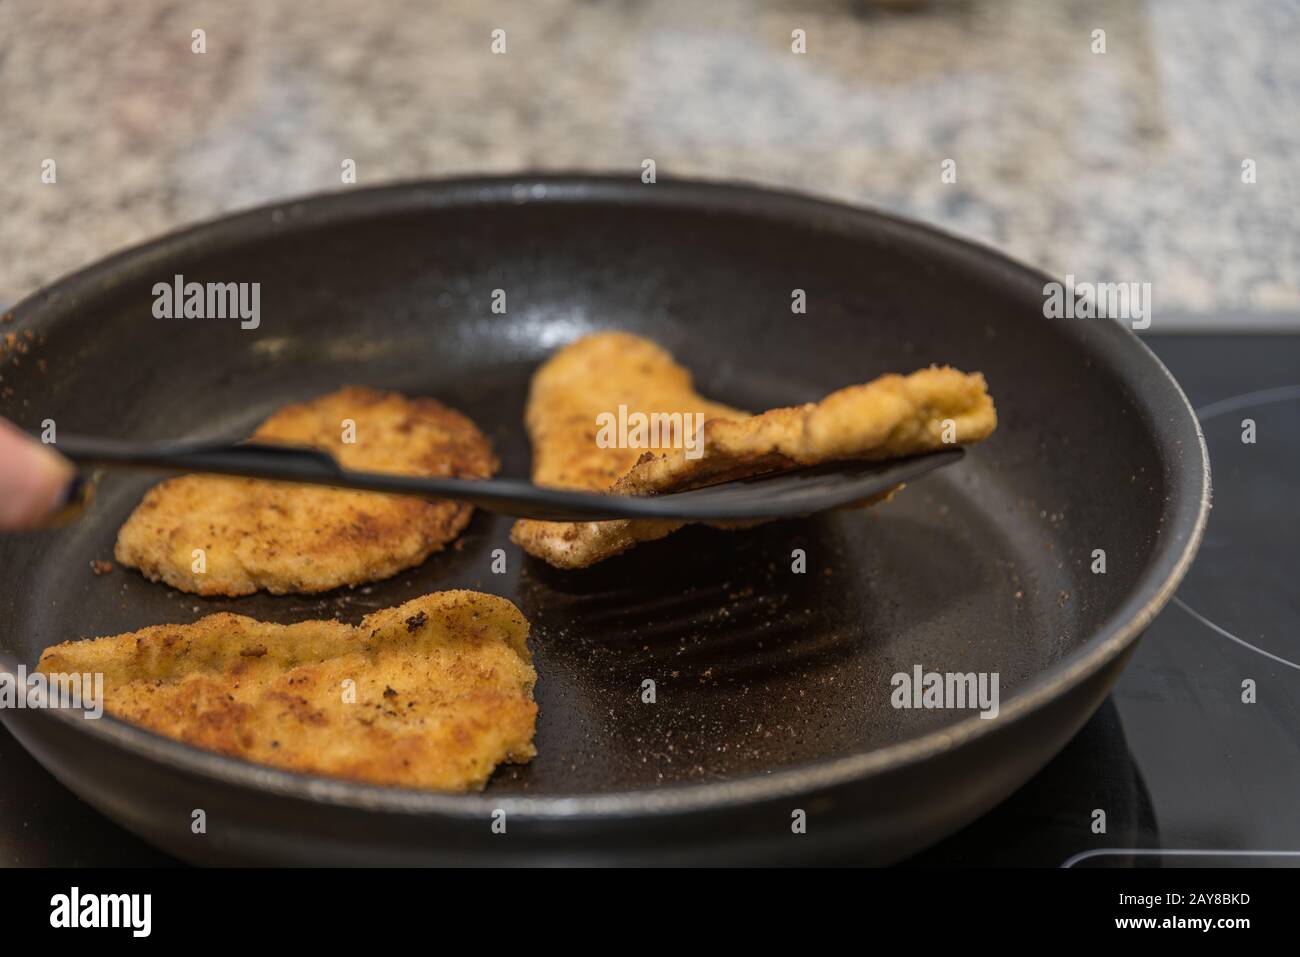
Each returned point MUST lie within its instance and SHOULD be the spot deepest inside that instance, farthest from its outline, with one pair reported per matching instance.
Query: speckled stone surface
(1122, 166)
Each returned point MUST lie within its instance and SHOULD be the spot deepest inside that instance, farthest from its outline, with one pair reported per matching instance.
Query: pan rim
(1186, 513)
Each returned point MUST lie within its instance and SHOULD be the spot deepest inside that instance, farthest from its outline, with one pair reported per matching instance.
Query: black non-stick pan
(772, 687)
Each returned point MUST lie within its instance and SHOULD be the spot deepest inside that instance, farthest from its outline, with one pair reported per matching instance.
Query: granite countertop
(1116, 166)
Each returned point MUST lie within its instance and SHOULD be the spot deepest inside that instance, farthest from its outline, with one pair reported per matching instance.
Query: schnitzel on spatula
(615, 413)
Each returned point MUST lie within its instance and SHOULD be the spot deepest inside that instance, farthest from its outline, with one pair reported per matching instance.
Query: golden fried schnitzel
(889, 417)
(432, 694)
(284, 537)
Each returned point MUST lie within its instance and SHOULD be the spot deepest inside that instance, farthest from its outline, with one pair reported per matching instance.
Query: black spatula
(770, 495)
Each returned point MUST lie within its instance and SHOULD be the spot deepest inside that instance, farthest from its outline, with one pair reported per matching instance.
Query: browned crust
(891, 416)
(443, 689)
(281, 537)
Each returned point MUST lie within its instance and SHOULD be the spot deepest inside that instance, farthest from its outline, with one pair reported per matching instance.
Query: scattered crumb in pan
(101, 567)
(431, 694)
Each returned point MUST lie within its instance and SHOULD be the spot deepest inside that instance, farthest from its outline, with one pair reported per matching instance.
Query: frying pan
(773, 687)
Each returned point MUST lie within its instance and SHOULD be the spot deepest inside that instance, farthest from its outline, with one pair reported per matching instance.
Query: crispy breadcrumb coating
(890, 417)
(432, 694)
(283, 537)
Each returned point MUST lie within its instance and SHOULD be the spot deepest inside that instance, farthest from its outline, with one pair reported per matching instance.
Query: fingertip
(37, 485)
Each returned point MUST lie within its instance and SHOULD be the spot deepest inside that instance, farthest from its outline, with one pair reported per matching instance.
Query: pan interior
(984, 567)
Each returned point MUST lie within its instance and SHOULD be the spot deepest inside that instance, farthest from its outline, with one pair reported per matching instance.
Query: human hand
(38, 487)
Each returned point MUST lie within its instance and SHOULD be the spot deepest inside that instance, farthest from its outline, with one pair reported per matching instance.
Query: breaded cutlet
(222, 535)
(890, 417)
(431, 694)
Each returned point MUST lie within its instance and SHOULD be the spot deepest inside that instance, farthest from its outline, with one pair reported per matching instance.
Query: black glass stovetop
(1176, 758)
